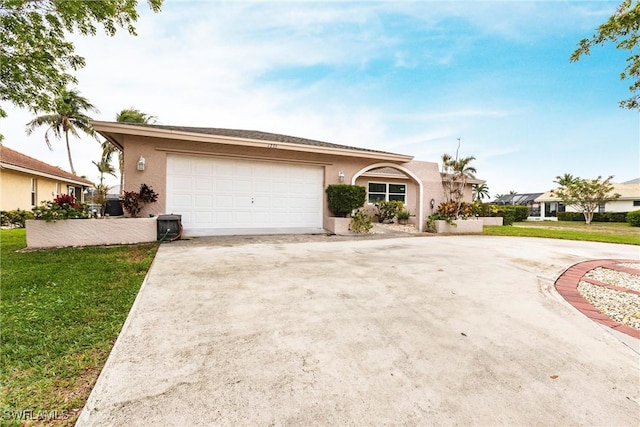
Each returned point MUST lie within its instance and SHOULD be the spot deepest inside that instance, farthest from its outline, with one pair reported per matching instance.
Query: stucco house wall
(339, 164)
(155, 151)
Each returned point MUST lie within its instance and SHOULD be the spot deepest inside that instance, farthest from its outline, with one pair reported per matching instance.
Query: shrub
(616, 216)
(484, 209)
(451, 210)
(508, 215)
(16, 218)
(388, 210)
(133, 202)
(633, 218)
(597, 216)
(360, 222)
(64, 206)
(570, 216)
(403, 214)
(344, 198)
(521, 212)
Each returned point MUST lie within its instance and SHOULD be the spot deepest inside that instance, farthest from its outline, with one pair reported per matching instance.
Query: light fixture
(141, 163)
(341, 176)
(433, 203)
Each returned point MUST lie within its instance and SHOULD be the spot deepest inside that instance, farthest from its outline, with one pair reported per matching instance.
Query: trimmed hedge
(633, 218)
(15, 218)
(345, 198)
(508, 215)
(597, 216)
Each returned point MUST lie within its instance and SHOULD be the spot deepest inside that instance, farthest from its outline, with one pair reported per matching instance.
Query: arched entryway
(408, 173)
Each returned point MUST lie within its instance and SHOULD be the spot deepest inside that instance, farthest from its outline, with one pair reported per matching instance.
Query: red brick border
(567, 286)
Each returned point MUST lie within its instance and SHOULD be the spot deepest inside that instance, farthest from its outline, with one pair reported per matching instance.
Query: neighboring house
(526, 199)
(25, 181)
(629, 201)
(237, 181)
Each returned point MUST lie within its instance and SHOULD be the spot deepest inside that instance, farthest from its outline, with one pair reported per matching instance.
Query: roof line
(239, 137)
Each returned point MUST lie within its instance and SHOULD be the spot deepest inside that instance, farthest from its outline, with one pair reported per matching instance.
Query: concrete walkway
(459, 330)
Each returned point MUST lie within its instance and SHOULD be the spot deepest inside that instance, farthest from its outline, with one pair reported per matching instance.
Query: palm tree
(67, 115)
(566, 179)
(133, 115)
(104, 165)
(127, 115)
(455, 174)
(480, 191)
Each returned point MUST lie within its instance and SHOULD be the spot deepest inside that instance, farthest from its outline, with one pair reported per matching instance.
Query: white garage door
(227, 194)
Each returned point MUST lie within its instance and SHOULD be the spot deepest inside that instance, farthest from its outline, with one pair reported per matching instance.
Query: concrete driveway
(460, 330)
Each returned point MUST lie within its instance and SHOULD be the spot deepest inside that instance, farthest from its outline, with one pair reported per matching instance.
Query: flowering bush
(15, 219)
(455, 210)
(64, 206)
(133, 202)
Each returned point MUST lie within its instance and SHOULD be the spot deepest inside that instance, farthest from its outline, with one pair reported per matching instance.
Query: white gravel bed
(616, 278)
(630, 265)
(622, 307)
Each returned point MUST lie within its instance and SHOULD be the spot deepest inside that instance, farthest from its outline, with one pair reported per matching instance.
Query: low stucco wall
(90, 232)
(337, 225)
(462, 226)
(491, 220)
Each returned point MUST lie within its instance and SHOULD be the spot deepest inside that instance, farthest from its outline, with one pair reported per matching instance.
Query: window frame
(34, 192)
(387, 193)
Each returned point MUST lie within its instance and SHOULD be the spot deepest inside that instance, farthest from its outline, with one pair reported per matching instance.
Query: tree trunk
(121, 167)
(66, 135)
(588, 216)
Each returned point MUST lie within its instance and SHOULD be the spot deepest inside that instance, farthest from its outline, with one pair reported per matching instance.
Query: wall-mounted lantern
(141, 163)
(341, 176)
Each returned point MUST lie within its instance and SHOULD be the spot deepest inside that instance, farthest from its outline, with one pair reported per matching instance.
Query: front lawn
(62, 310)
(608, 232)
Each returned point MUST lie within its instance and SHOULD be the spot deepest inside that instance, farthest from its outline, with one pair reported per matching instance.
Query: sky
(405, 77)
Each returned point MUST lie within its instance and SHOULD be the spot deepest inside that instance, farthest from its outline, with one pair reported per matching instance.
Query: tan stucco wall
(155, 151)
(15, 190)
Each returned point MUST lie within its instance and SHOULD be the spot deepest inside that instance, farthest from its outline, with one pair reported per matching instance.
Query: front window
(601, 208)
(382, 191)
(34, 188)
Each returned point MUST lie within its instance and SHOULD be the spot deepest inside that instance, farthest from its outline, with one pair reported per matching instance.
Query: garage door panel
(226, 193)
(203, 201)
(203, 217)
(180, 183)
(222, 185)
(224, 201)
(179, 166)
(243, 186)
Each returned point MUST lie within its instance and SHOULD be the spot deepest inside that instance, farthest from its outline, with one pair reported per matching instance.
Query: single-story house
(224, 181)
(25, 181)
(628, 201)
(525, 199)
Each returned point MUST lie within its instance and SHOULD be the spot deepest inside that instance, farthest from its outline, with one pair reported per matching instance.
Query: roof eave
(43, 174)
(111, 131)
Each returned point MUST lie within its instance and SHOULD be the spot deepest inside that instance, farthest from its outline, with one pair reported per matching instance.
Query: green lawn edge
(62, 310)
(522, 230)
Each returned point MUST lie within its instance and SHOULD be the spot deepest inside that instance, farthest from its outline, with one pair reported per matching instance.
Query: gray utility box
(169, 227)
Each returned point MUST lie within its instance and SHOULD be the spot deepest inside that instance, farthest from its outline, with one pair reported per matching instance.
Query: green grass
(608, 232)
(62, 310)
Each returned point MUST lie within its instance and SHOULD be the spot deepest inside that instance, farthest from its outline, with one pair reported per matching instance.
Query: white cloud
(251, 65)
